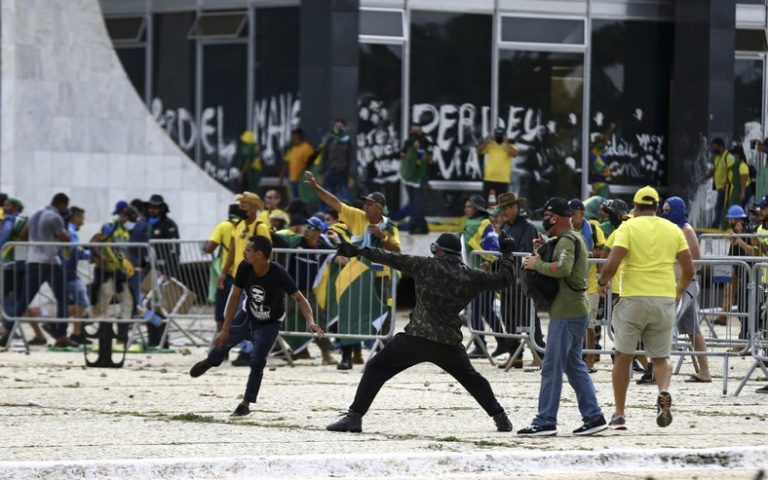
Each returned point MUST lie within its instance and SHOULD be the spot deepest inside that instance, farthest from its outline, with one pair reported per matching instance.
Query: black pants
(405, 351)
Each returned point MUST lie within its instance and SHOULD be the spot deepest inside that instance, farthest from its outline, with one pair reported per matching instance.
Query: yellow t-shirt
(722, 164)
(264, 215)
(652, 245)
(241, 233)
(297, 158)
(358, 223)
(222, 236)
(616, 284)
(598, 241)
(498, 163)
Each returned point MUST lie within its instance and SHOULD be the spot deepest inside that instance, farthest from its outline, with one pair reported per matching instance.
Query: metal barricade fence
(758, 325)
(507, 315)
(185, 290)
(720, 244)
(61, 282)
(354, 300)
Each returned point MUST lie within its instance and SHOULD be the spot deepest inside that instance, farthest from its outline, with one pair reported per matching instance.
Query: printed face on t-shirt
(256, 305)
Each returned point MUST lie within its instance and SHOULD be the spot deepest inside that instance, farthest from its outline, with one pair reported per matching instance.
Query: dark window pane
(133, 61)
(540, 107)
(389, 24)
(748, 99)
(277, 107)
(751, 40)
(630, 83)
(219, 25)
(379, 109)
(224, 114)
(173, 82)
(542, 30)
(451, 95)
(125, 29)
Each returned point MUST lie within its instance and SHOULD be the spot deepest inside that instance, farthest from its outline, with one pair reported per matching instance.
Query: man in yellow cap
(646, 246)
(249, 226)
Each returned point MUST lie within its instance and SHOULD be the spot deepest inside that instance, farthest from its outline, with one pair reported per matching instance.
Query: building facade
(553, 74)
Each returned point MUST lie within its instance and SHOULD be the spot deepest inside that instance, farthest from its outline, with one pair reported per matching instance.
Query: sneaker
(77, 340)
(199, 368)
(350, 422)
(38, 341)
(241, 411)
(502, 422)
(663, 409)
(646, 379)
(538, 431)
(762, 389)
(617, 423)
(345, 364)
(591, 427)
(242, 360)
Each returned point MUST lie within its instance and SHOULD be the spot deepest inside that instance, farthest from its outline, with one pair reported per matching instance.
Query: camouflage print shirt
(444, 286)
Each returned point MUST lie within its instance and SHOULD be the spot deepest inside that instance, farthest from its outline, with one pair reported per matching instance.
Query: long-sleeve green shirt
(569, 303)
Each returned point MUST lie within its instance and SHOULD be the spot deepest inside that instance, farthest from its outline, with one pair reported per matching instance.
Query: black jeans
(53, 275)
(405, 351)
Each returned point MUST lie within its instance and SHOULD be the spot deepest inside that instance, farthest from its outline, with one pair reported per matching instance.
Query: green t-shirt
(571, 299)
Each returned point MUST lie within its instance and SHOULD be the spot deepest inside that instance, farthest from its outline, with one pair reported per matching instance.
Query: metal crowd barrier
(758, 325)
(353, 300)
(719, 244)
(57, 283)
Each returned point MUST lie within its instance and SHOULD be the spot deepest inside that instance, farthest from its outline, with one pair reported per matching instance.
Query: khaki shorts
(649, 319)
(594, 303)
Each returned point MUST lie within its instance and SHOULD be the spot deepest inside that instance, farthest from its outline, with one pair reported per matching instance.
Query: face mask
(128, 225)
(153, 220)
(499, 138)
(547, 224)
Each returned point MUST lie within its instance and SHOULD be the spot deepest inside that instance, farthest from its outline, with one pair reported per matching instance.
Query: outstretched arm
(407, 264)
(327, 197)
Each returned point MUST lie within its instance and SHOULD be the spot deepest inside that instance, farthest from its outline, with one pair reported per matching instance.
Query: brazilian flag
(361, 308)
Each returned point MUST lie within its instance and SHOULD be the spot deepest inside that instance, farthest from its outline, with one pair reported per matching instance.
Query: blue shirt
(6, 228)
(70, 256)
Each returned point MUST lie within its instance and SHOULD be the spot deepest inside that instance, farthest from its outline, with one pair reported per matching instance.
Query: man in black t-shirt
(258, 319)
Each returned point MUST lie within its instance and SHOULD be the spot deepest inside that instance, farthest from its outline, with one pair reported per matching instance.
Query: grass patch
(448, 439)
(192, 417)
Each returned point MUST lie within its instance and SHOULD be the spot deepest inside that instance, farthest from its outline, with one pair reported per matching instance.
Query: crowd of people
(641, 246)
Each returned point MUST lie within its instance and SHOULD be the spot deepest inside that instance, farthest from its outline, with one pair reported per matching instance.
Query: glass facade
(379, 134)
(438, 66)
(630, 85)
(540, 107)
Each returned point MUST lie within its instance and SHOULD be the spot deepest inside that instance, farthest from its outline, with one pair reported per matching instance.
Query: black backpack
(541, 288)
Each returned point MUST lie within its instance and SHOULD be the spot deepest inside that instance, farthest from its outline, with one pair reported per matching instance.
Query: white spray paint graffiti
(378, 142)
(181, 126)
(273, 120)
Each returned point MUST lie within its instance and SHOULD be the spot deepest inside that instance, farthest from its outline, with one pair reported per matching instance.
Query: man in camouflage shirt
(444, 286)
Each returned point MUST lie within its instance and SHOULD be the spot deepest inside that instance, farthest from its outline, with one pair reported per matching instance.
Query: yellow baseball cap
(646, 196)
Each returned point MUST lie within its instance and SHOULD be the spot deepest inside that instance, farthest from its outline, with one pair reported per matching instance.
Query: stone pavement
(56, 410)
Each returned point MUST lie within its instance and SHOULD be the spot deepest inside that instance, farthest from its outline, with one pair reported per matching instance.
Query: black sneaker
(502, 422)
(350, 422)
(242, 360)
(618, 422)
(762, 389)
(538, 431)
(241, 411)
(345, 364)
(663, 409)
(647, 379)
(199, 368)
(591, 427)
(79, 340)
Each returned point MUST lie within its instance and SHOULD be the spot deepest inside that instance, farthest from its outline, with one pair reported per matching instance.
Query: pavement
(62, 420)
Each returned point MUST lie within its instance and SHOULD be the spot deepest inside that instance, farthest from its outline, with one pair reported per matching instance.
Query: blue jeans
(563, 355)
(337, 185)
(417, 200)
(294, 189)
(262, 335)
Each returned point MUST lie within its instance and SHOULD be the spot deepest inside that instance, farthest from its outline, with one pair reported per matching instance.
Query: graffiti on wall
(273, 119)
(218, 151)
(378, 141)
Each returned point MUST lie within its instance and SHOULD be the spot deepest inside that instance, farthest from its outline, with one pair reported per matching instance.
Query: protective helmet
(735, 211)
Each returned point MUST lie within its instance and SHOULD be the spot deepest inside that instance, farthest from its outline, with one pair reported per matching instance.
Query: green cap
(15, 201)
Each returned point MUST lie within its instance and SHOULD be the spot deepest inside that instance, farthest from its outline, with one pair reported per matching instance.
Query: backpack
(541, 288)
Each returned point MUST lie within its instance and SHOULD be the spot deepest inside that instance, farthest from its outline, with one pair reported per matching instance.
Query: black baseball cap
(558, 206)
(376, 197)
(576, 204)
